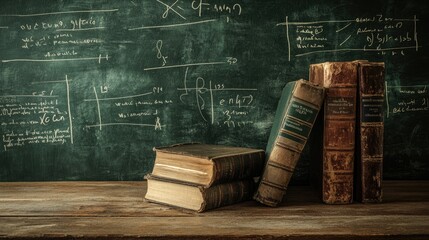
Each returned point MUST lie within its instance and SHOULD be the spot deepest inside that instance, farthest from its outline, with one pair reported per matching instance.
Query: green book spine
(296, 112)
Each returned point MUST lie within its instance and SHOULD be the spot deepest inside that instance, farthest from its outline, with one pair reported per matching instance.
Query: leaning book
(194, 197)
(296, 113)
(207, 164)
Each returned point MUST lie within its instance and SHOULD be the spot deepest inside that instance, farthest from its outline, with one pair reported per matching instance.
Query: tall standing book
(369, 157)
(296, 112)
(340, 81)
(196, 197)
(207, 164)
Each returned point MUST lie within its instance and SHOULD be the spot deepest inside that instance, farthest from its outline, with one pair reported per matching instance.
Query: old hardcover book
(207, 164)
(296, 112)
(339, 123)
(196, 197)
(369, 157)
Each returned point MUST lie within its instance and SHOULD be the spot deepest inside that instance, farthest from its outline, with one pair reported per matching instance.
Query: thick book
(339, 124)
(207, 164)
(196, 197)
(295, 115)
(369, 152)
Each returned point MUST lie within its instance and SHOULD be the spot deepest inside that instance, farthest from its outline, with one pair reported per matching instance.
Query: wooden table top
(116, 210)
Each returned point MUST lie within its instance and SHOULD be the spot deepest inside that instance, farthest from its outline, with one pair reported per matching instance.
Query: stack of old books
(200, 177)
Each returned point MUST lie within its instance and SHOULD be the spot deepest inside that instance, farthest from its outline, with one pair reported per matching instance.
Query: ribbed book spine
(238, 166)
(226, 194)
(369, 156)
(340, 81)
(296, 113)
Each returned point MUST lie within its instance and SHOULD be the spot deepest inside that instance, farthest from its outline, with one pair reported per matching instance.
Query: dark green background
(256, 38)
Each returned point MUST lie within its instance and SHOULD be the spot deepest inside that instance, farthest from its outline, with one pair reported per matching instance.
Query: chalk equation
(217, 103)
(202, 9)
(379, 34)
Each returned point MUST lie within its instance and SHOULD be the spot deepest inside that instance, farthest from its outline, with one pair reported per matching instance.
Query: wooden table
(116, 210)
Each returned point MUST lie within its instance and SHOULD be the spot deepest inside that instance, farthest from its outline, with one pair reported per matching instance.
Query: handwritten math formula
(378, 34)
(217, 103)
(37, 117)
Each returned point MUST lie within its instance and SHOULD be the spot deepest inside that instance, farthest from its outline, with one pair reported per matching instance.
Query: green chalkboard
(88, 88)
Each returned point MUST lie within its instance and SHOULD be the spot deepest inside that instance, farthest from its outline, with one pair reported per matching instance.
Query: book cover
(339, 124)
(207, 164)
(197, 198)
(295, 115)
(369, 153)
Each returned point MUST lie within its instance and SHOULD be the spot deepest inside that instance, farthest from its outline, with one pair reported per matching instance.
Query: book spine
(226, 194)
(238, 167)
(369, 156)
(340, 80)
(290, 139)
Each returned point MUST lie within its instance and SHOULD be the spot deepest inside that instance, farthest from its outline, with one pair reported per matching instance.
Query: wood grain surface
(116, 210)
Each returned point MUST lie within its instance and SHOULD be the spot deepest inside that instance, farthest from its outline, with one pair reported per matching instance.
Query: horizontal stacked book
(200, 177)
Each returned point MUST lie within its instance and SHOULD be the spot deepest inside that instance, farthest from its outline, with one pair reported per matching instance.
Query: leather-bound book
(189, 196)
(369, 157)
(296, 112)
(339, 124)
(207, 164)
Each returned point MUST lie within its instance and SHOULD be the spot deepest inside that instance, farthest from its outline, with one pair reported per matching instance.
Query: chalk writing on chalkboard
(378, 34)
(139, 108)
(406, 99)
(201, 7)
(236, 100)
(36, 118)
(64, 38)
(74, 36)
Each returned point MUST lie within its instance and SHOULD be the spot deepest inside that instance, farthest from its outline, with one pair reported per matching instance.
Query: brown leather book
(296, 112)
(369, 152)
(340, 81)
